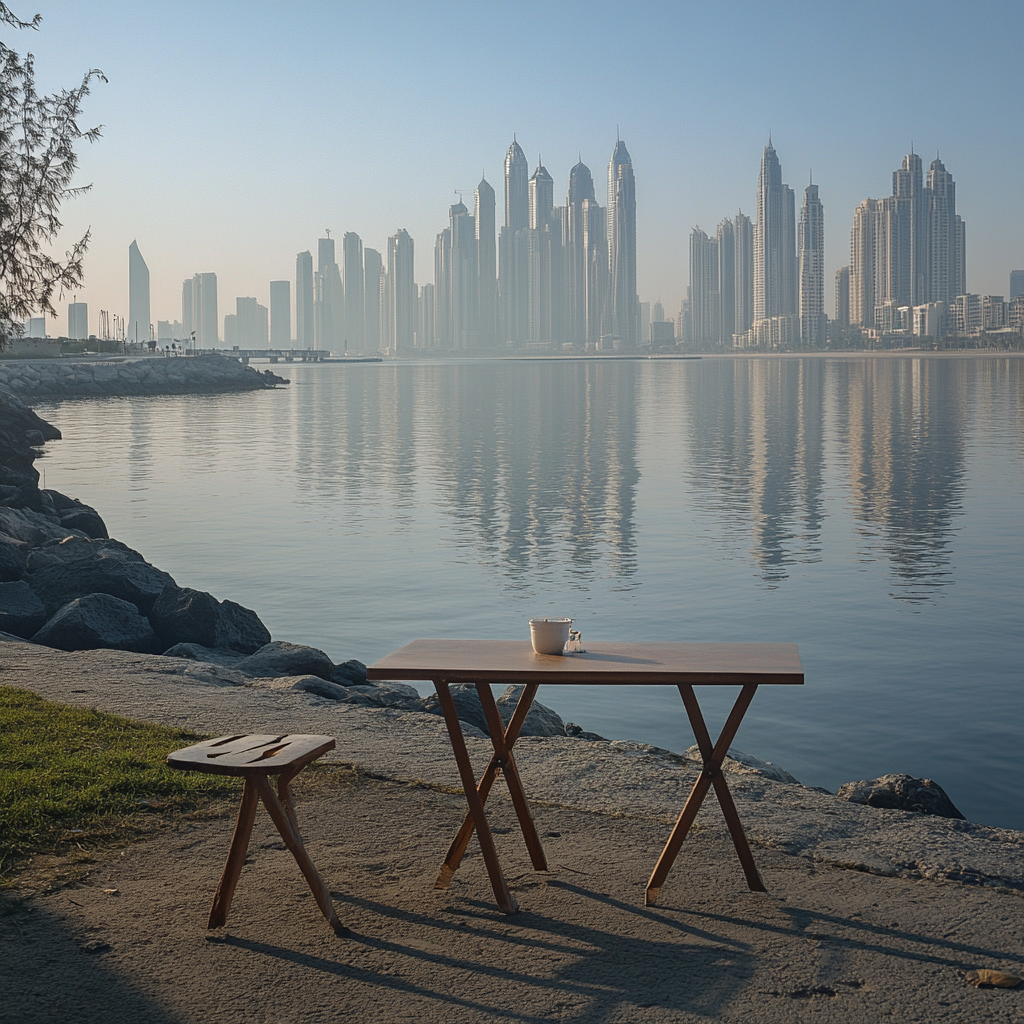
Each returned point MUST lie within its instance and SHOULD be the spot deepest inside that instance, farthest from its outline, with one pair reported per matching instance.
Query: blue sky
(235, 133)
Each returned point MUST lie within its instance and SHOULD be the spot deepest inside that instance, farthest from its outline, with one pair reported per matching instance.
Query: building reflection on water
(534, 468)
(772, 439)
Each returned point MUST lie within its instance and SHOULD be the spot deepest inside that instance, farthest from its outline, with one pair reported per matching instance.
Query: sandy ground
(824, 944)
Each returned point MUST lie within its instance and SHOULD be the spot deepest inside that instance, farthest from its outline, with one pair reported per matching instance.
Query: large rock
(137, 582)
(349, 673)
(77, 548)
(540, 720)
(284, 659)
(12, 558)
(240, 629)
(181, 615)
(902, 793)
(85, 519)
(197, 652)
(21, 612)
(739, 763)
(98, 621)
(32, 527)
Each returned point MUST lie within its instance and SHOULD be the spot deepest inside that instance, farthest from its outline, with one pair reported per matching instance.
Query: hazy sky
(234, 133)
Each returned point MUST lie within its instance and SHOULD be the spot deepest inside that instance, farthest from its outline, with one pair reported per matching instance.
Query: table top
(636, 664)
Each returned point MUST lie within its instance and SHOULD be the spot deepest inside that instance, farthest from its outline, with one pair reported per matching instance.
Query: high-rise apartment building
(517, 187)
(743, 240)
(247, 323)
(576, 263)
(199, 310)
(621, 223)
(355, 290)
(908, 249)
(280, 314)
(304, 316)
(775, 278)
(401, 293)
(138, 296)
(705, 296)
(373, 269)
(464, 291)
(726, 242)
(443, 288)
(328, 299)
(1016, 283)
(843, 298)
(486, 265)
(811, 269)
(513, 254)
(78, 320)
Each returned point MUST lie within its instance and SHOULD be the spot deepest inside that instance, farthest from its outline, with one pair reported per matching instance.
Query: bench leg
(283, 821)
(236, 856)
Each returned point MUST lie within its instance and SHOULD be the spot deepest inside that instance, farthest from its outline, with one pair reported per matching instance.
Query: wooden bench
(255, 758)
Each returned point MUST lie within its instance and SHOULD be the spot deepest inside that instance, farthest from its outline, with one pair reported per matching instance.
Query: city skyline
(241, 173)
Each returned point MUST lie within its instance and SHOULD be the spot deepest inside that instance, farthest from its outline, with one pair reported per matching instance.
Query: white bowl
(549, 636)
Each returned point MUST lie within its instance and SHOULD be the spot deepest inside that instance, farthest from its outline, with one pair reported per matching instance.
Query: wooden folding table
(486, 662)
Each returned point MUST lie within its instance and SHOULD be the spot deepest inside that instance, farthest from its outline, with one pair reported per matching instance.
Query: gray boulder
(349, 673)
(209, 655)
(31, 527)
(577, 732)
(239, 629)
(283, 659)
(21, 612)
(181, 615)
(12, 558)
(85, 519)
(385, 695)
(540, 721)
(467, 706)
(77, 548)
(902, 793)
(321, 687)
(137, 582)
(740, 763)
(98, 621)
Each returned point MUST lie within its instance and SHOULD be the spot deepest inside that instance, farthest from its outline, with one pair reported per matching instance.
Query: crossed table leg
(503, 739)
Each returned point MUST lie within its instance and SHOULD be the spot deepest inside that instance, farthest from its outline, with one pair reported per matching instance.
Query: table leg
(291, 838)
(236, 857)
(459, 844)
(476, 808)
(500, 739)
(711, 774)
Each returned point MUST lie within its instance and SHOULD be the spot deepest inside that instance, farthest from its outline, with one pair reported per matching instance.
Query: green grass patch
(72, 778)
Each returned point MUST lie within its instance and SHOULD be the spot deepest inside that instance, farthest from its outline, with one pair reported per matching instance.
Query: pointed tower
(623, 305)
(486, 256)
(138, 296)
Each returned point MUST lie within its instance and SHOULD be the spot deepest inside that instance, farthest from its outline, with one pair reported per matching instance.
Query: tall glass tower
(623, 307)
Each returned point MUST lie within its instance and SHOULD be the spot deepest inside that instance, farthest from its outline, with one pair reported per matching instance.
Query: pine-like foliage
(37, 163)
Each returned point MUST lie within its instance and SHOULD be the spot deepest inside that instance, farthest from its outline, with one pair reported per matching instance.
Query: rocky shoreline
(118, 376)
(152, 649)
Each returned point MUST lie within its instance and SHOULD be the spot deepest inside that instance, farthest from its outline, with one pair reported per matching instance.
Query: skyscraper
(373, 268)
(862, 264)
(621, 223)
(581, 190)
(280, 314)
(204, 310)
(705, 298)
(726, 282)
(843, 298)
(775, 291)
(246, 323)
(328, 299)
(811, 255)
(1016, 283)
(401, 292)
(187, 317)
(304, 334)
(464, 288)
(539, 256)
(486, 257)
(354, 285)
(78, 320)
(513, 256)
(443, 288)
(517, 177)
(743, 239)
(138, 296)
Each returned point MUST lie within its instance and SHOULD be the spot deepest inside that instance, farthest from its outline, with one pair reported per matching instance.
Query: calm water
(870, 510)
